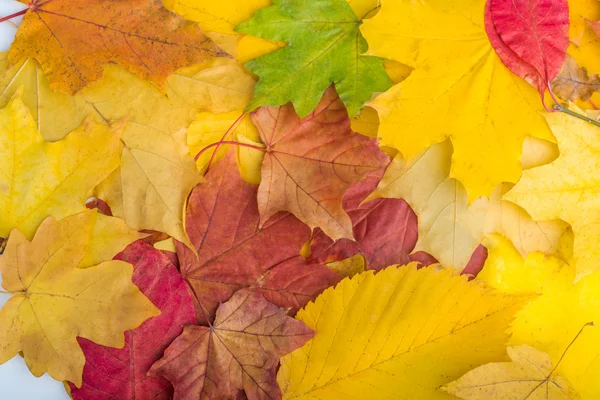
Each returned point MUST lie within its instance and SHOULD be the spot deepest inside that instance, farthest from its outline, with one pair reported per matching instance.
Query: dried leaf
(573, 82)
(240, 351)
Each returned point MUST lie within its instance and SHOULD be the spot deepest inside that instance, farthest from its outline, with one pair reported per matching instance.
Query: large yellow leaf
(398, 334)
(569, 187)
(40, 178)
(553, 321)
(54, 302)
(530, 375)
(459, 89)
(449, 227)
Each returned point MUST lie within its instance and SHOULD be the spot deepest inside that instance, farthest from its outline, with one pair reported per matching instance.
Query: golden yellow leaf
(54, 302)
(449, 227)
(397, 334)
(109, 237)
(507, 270)
(568, 187)
(530, 375)
(348, 267)
(157, 175)
(40, 178)
(459, 89)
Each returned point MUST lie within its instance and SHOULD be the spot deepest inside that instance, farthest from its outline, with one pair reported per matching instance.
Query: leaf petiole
(229, 142)
(563, 109)
(11, 16)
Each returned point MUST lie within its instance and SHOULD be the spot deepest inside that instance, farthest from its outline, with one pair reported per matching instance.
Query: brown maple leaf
(310, 162)
(574, 82)
(240, 352)
(73, 40)
(222, 222)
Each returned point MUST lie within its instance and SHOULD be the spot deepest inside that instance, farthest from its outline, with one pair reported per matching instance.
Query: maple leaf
(310, 162)
(567, 187)
(122, 373)
(530, 375)
(574, 83)
(240, 351)
(390, 335)
(54, 302)
(325, 46)
(530, 37)
(459, 89)
(234, 252)
(450, 229)
(74, 40)
(40, 178)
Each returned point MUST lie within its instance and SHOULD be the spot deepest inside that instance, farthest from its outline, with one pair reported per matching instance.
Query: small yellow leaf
(54, 302)
(529, 376)
(397, 334)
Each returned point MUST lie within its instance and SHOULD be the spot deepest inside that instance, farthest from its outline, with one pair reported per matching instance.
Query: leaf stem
(11, 16)
(570, 344)
(370, 11)
(561, 108)
(216, 144)
(227, 132)
(5, 292)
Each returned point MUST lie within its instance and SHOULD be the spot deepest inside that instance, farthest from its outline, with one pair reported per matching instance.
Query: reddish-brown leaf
(530, 37)
(240, 352)
(74, 39)
(385, 230)
(111, 373)
(222, 222)
(310, 163)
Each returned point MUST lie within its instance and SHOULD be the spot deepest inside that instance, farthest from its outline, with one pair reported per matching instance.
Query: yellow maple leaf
(40, 178)
(54, 301)
(551, 321)
(529, 375)
(449, 227)
(568, 187)
(400, 333)
(459, 89)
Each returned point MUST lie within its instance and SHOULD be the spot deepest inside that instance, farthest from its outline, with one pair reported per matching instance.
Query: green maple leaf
(325, 46)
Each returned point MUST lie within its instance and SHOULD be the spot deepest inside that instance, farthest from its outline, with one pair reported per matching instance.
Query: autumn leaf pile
(324, 199)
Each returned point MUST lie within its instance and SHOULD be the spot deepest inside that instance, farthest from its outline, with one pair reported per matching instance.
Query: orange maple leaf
(73, 39)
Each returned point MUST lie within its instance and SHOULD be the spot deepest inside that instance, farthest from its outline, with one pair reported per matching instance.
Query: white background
(16, 382)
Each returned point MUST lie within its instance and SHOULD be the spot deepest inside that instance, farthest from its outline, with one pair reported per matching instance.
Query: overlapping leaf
(324, 46)
(54, 302)
(310, 162)
(459, 89)
(122, 373)
(239, 352)
(234, 251)
(400, 333)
